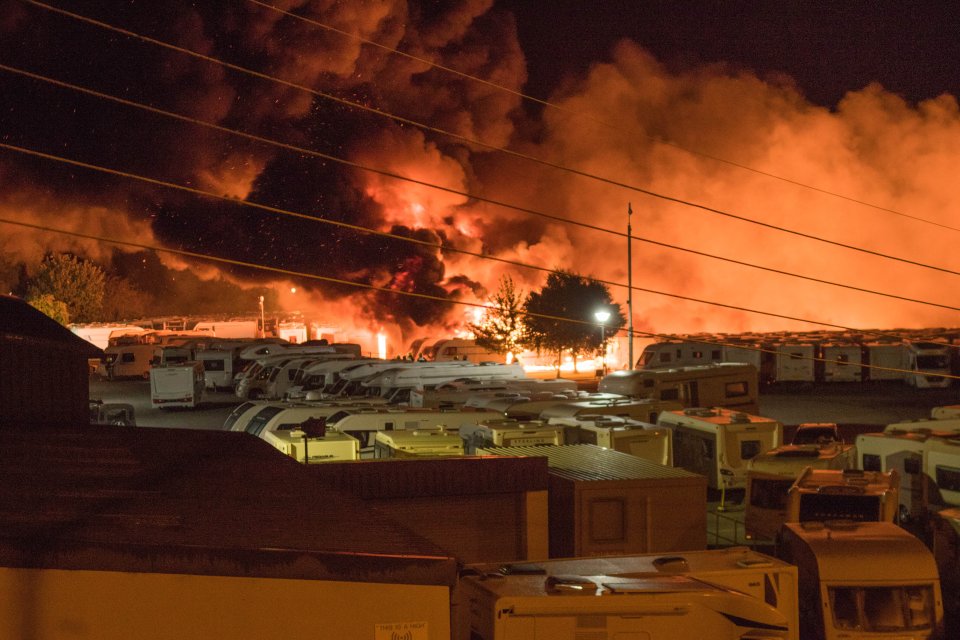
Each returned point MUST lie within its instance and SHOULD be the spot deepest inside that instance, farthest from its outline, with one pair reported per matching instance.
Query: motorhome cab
(863, 580)
(419, 443)
(177, 385)
(723, 593)
(929, 364)
(642, 439)
(733, 385)
(771, 474)
(507, 432)
(718, 443)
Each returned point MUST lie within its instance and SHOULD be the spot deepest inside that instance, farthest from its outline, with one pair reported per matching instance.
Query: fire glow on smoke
(635, 118)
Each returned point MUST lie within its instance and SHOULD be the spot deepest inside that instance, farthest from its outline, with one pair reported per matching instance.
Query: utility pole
(630, 283)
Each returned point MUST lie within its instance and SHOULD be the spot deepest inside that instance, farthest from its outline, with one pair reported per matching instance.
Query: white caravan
(795, 362)
(457, 392)
(903, 452)
(718, 443)
(360, 422)
(178, 384)
(928, 364)
(127, 361)
(418, 443)
(942, 466)
(886, 360)
(721, 593)
(638, 438)
(645, 409)
(220, 367)
(506, 432)
(864, 580)
(948, 411)
(309, 448)
(438, 373)
(319, 377)
(841, 362)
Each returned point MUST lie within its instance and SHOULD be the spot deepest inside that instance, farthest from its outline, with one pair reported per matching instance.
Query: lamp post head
(602, 316)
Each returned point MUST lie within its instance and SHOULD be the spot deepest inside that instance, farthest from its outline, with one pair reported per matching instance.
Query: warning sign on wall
(402, 631)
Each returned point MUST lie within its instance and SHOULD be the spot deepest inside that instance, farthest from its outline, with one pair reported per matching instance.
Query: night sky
(846, 97)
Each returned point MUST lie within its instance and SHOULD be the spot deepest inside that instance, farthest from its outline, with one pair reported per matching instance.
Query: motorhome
(409, 377)
(928, 364)
(229, 328)
(177, 384)
(418, 443)
(719, 443)
(847, 494)
(528, 406)
(457, 392)
(794, 362)
(863, 580)
(220, 366)
(276, 377)
(679, 353)
(644, 409)
(507, 432)
(642, 439)
(903, 452)
(942, 466)
(361, 422)
(771, 474)
(319, 377)
(721, 593)
(733, 385)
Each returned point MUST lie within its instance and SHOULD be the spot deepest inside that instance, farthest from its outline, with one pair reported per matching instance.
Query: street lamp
(263, 326)
(602, 316)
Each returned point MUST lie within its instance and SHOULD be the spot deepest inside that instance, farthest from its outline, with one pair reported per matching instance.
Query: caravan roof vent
(672, 564)
(739, 417)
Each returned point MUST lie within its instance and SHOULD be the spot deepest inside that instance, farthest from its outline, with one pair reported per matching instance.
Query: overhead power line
(425, 127)
(589, 116)
(359, 166)
(441, 247)
(370, 287)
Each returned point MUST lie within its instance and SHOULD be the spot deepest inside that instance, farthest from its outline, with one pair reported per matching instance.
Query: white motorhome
(178, 384)
(734, 385)
(903, 452)
(437, 373)
(456, 393)
(461, 349)
(99, 334)
(319, 377)
(273, 381)
(220, 366)
(928, 364)
(864, 580)
(722, 593)
(942, 466)
(642, 439)
(679, 353)
(771, 474)
(718, 443)
(230, 328)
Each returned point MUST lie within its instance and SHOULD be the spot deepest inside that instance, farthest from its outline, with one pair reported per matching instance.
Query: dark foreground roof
(193, 502)
(19, 319)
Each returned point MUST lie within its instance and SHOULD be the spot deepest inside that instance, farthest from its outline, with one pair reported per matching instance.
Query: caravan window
(670, 394)
(665, 357)
(911, 466)
(259, 421)
(127, 356)
(715, 355)
(871, 462)
(948, 478)
(736, 389)
(214, 365)
(749, 449)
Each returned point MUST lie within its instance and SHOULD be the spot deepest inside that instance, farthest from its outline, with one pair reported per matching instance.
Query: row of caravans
(922, 364)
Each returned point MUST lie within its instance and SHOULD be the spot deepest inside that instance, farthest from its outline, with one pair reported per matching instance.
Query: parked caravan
(848, 494)
(230, 328)
(177, 385)
(928, 364)
(943, 426)
(319, 377)
(863, 580)
(126, 361)
(329, 445)
(219, 368)
(841, 362)
(945, 544)
(722, 593)
(642, 439)
(733, 385)
(679, 353)
(948, 411)
(886, 360)
(361, 422)
(283, 375)
(771, 474)
(99, 334)
(718, 443)
(644, 409)
(457, 392)
(529, 406)
(408, 377)
(418, 443)
(903, 452)
(463, 350)
(942, 466)
(507, 432)
(795, 362)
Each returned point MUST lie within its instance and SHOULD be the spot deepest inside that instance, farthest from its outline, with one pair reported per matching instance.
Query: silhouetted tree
(77, 283)
(502, 329)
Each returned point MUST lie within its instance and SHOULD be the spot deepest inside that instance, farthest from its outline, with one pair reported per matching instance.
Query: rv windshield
(891, 608)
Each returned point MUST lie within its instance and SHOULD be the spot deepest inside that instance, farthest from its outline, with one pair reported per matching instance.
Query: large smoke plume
(628, 119)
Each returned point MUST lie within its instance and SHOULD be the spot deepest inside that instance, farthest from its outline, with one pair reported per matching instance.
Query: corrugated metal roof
(19, 319)
(191, 501)
(590, 462)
